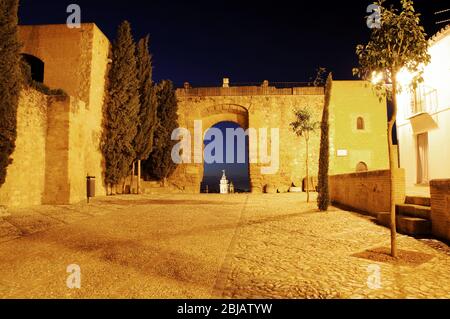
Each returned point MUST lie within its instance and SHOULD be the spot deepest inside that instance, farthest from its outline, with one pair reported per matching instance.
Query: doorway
(236, 166)
(422, 159)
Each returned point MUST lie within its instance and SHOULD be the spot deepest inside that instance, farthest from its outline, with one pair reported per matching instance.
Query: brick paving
(210, 246)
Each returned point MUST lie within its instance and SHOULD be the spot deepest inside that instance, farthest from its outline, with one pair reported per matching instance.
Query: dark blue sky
(249, 41)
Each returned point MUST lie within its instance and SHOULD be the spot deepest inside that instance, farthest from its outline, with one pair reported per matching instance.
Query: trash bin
(90, 187)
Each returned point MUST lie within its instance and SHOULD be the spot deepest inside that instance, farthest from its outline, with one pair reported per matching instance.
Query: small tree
(323, 199)
(303, 126)
(143, 142)
(121, 110)
(159, 164)
(10, 82)
(399, 44)
(320, 78)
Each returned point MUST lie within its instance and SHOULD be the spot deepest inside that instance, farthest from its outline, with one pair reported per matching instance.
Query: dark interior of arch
(237, 173)
(36, 66)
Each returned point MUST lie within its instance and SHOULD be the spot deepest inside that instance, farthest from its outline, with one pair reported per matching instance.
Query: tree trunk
(132, 178)
(139, 177)
(307, 167)
(393, 164)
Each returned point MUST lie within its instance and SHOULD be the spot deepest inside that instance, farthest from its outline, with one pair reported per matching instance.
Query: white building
(423, 122)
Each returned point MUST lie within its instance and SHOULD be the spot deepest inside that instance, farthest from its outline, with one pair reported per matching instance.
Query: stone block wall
(368, 191)
(50, 160)
(254, 111)
(440, 208)
(25, 180)
(75, 60)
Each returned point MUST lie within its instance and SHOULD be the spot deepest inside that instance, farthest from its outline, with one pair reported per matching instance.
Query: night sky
(248, 41)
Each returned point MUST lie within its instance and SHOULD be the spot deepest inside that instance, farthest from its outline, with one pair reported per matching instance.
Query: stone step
(411, 226)
(418, 200)
(159, 191)
(417, 211)
(151, 184)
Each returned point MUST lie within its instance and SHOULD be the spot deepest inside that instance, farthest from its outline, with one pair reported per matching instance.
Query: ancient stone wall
(75, 60)
(440, 208)
(25, 180)
(58, 142)
(367, 191)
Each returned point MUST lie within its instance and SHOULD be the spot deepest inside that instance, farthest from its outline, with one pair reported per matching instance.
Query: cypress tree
(143, 142)
(160, 165)
(323, 199)
(10, 82)
(122, 107)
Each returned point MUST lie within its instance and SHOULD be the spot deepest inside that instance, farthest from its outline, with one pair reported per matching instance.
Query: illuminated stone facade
(58, 141)
(59, 137)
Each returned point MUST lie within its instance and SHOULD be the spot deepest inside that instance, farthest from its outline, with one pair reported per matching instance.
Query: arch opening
(361, 167)
(226, 148)
(36, 67)
(360, 125)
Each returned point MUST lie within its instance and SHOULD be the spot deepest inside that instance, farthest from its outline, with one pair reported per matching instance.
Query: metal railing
(423, 99)
(250, 89)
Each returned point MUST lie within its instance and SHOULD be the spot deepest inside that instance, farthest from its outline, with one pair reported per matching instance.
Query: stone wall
(368, 191)
(25, 180)
(264, 109)
(440, 208)
(75, 60)
(49, 162)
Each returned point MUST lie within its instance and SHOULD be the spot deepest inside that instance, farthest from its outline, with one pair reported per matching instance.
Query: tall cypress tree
(10, 82)
(143, 142)
(323, 199)
(122, 107)
(160, 165)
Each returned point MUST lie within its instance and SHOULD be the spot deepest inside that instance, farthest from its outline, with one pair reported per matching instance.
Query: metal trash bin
(90, 187)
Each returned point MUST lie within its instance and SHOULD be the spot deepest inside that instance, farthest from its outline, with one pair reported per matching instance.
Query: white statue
(224, 184)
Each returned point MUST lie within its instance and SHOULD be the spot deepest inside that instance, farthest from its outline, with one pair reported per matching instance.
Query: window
(360, 124)
(36, 67)
(361, 167)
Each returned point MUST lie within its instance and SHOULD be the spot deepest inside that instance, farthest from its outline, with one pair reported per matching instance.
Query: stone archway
(232, 155)
(224, 112)
(188, 176)
(220, 113)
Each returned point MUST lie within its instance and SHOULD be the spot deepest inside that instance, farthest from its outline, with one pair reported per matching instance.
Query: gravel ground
(211, 246)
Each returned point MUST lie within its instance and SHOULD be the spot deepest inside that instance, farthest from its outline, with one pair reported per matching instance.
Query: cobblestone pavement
(210, 246)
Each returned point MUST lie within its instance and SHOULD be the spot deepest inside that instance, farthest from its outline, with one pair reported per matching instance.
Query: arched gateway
(265, 112)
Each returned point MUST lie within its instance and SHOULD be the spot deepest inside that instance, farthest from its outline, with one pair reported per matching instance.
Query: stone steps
(416, 211)
(413, 217)
(407, 225)
(418, 200)
(155, 188)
